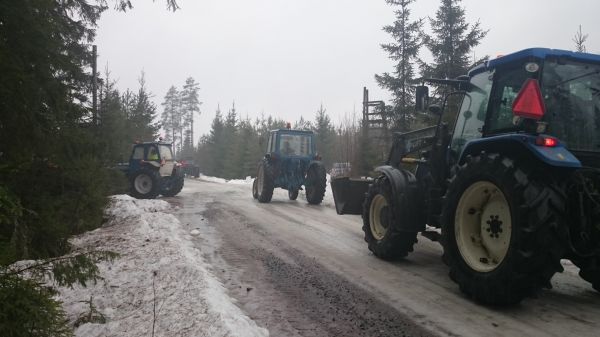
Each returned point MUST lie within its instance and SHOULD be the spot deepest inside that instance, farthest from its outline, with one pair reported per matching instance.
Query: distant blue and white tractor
(291, 162)
(152, 170)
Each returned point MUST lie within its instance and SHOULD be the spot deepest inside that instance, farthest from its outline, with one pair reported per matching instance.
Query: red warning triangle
(529, 102)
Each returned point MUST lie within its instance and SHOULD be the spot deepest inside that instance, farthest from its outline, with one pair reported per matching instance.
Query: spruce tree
(451, 45)
(404, 51)
(579, 40)
(231, 146)
(452, 41)
(215, 146)
(142, 117)
(325, 135)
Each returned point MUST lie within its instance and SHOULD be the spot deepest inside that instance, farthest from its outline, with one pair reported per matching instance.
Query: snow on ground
(327, 199)
(158, 280)
(247, 181)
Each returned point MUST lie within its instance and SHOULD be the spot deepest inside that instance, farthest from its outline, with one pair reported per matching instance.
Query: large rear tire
(264, 183)
(500, 230)
(589, 270)
(145, 184)
(316, 183)
(381, 224)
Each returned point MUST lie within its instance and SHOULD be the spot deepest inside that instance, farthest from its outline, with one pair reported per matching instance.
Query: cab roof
(308, 132)
(152, 143)
(539, 53)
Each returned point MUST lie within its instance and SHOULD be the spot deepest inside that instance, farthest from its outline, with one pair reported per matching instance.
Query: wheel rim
(379, 217)
(483, 226)
(143, 183)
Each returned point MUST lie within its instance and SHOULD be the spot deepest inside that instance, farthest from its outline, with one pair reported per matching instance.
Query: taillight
(529, 102)
(546, 141)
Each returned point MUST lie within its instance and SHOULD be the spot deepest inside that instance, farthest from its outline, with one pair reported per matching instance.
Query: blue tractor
(152, 170)
(513, 182)
(291, 162)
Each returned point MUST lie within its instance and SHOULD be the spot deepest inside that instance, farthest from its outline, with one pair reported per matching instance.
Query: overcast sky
(286, 57)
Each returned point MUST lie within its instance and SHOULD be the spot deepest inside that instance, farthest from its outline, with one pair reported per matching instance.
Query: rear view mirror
(422, 97)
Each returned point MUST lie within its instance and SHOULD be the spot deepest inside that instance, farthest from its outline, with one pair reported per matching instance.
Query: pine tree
(404, 50)
(190, 106)
(452, 41)
(171, 118)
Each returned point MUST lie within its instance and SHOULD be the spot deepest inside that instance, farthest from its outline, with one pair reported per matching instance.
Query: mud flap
(349, 194)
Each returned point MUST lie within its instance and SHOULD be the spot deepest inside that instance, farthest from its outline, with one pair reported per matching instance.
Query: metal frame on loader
(514, 185)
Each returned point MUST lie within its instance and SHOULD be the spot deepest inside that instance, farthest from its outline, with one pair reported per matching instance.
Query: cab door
(167, 160)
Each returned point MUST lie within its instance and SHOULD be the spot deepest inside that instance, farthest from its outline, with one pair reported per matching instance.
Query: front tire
(255, 188)
(264, 184)
(293, 194)
(316, 183)
(381, 224)
(499, 230)
(144, 184)
(172, 186)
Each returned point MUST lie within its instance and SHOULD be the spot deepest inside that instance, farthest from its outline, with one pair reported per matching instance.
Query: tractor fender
(406, 198)
(523, 147)
(178, 171)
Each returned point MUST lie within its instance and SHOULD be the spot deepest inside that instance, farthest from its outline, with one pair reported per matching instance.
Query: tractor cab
(512, 181)
(550, 97)
(156, 154)
(286, 143)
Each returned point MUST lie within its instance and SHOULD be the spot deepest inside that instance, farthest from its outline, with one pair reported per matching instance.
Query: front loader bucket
(349, 194)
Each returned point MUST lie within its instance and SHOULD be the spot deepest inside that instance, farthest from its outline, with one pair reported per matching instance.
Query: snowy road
(301, 270)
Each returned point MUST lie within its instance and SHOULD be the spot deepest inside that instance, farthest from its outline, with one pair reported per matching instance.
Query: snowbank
(160, 281)
(247, 181)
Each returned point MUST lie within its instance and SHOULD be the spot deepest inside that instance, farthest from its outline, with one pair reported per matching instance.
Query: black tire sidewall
(517, 276)
(154, 191)
(171, 186)
(265, 190)
(316, 177)
(395, 244)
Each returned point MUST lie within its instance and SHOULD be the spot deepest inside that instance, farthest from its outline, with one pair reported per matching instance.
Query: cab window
(295, 145)
(471, 117)
(165, 152)
(138, 153)
(508, 83)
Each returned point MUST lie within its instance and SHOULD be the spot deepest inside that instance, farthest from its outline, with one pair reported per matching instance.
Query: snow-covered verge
(159, 285)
